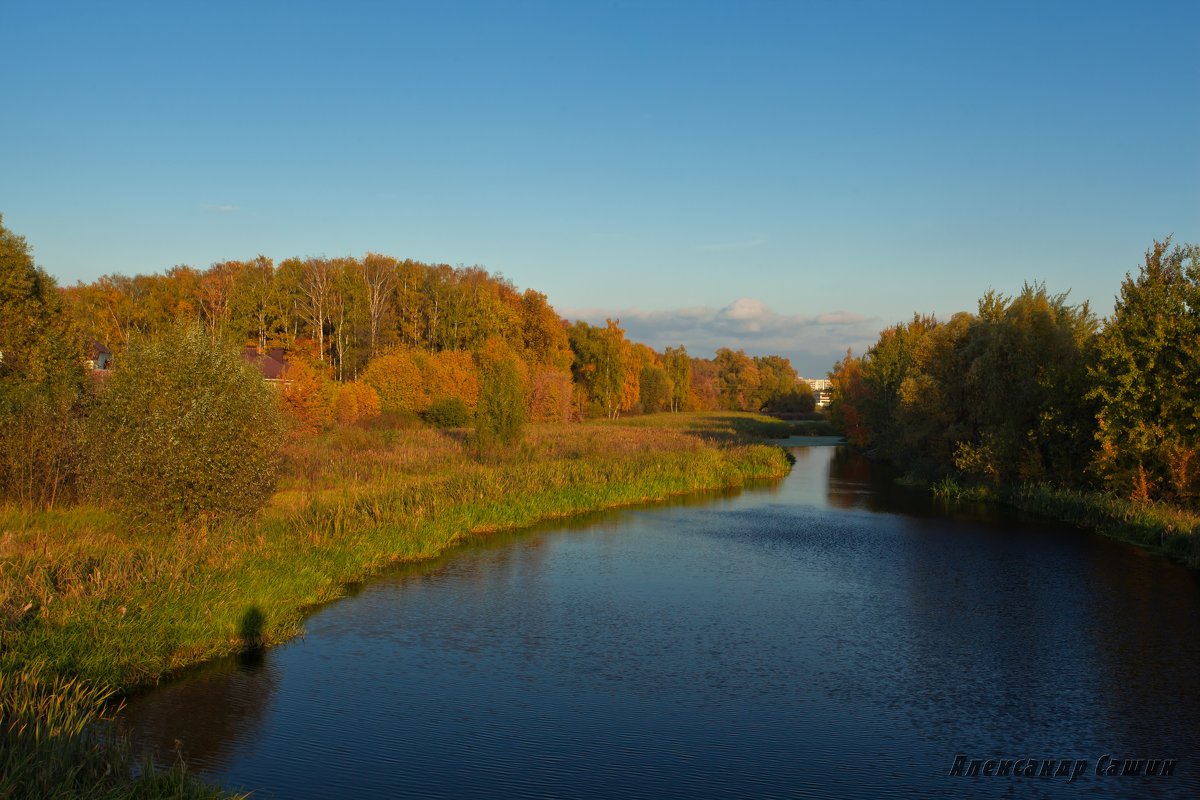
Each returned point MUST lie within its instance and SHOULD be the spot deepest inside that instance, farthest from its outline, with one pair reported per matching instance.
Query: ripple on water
(832, 637)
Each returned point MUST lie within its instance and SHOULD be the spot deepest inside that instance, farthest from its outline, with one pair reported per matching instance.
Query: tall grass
(1169, 530)
(86, 600)
(56, 742)
(1175, 532)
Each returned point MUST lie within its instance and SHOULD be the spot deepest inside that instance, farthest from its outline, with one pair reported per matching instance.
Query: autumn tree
(738, 380)
(307, 397)
(544, 334)
(705, 390)
(311, 284)
(449, 374)
(396, 378)
(355, 402)
(848, 396)
(215, 292)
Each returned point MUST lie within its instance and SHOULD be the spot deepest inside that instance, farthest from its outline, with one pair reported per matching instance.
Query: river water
(832, 635)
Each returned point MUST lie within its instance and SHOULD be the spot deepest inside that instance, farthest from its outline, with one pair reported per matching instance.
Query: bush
(185, 429)
(448, 412)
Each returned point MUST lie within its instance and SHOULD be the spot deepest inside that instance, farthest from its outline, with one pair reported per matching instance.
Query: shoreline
(116, 609)
(1161, 530)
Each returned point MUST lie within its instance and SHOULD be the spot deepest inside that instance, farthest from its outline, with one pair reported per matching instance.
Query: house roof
(270, 367)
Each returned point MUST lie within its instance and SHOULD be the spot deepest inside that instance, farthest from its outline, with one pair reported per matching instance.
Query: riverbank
(1162, 529)
(85, 596)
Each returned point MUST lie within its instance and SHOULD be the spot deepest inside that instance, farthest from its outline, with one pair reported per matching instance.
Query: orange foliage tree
(356, 402)
(849, 393)
(306, 396)
(550, 396)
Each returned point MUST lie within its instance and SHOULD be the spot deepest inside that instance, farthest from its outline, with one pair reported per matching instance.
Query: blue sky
(785, 177)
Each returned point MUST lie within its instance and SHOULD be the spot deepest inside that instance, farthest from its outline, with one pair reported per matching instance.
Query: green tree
(655, 388)
(185, 429)
(778, 386)
(42, 381)
(739, 380)
(602, 358)
(500, 415)
(679, 370)
(1147, 379)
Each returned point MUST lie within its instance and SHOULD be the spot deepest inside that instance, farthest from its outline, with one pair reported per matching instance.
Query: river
(832, 635)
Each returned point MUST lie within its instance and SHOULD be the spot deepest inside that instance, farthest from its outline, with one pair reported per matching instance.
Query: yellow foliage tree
(450, 374)
(397, 380)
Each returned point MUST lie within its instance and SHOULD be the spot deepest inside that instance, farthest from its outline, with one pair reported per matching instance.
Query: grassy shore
(1167, 530)
(86, 597)
(1170, 531)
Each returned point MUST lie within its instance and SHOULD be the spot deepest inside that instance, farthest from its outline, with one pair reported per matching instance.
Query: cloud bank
(812, 342)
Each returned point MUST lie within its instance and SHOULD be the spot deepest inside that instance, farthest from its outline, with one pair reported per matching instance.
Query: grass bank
(1170, 531)
(1163, 529)
(86, 597)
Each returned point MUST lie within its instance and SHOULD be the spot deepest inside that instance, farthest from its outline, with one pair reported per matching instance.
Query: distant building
(270, 364)
(99, 356)
(822, 389)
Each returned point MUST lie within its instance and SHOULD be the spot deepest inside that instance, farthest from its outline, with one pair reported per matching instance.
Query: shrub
(185, 429)
(448, 412)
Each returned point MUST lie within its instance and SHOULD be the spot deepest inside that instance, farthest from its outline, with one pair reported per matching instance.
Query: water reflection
(208, 715)
(836, 635)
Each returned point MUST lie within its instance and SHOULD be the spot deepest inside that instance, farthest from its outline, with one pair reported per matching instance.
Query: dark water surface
(831, 636)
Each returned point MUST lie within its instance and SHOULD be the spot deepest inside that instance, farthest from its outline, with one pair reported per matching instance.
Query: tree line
(361, 338)
(1033, 389)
